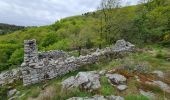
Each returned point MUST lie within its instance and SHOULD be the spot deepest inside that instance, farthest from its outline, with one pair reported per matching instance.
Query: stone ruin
(42, 66)
(54, 64)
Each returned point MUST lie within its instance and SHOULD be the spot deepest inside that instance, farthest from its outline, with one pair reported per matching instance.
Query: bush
(17, 57)
(3, 93)
(60, 45)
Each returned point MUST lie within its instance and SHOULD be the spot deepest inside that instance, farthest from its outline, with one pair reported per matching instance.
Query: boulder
(116, 79)
(122, 87)
(86, 80)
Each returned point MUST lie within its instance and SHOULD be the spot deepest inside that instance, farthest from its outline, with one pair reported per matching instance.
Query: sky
(45, 12)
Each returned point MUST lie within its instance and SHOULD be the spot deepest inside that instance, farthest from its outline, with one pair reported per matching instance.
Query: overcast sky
(44, 12)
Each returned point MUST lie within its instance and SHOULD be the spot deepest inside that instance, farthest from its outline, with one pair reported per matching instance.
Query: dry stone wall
(56, 63)
(8, 77)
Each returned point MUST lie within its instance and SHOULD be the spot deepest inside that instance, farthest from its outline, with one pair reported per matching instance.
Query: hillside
(6, 28)
(141, 74)
(89, 31)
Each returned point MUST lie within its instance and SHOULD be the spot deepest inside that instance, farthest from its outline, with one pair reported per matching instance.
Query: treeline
(148, 22)
(6, 28)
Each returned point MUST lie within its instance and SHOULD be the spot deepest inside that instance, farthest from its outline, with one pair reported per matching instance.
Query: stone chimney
(30, 53)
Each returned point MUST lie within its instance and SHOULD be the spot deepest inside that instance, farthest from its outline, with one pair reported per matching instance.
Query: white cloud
(43, 12)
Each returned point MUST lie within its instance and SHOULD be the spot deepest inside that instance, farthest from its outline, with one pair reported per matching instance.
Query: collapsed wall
(38, 67)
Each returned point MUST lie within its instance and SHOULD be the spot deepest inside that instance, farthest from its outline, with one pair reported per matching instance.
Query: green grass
(106, 89)
(136, 97)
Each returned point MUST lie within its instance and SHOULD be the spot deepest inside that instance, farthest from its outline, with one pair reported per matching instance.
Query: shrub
(60, 45)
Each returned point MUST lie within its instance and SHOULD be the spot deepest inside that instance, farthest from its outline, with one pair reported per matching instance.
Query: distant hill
(7, 28)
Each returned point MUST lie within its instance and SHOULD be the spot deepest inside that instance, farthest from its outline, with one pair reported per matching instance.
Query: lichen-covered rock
(116, 79)
(86, 80)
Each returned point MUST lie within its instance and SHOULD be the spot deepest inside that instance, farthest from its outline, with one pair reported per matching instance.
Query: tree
(107, 7)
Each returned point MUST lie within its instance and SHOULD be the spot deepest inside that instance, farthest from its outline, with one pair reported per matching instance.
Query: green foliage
(141, 24)
(49, 39)
(61, 45)
(17, 57)
(3, 92)
(107, 88)
(136, 97)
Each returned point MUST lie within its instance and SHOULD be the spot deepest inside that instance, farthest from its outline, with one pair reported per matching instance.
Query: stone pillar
(30, 53)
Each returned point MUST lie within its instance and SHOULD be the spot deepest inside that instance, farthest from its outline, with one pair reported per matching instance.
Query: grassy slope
(51, 90)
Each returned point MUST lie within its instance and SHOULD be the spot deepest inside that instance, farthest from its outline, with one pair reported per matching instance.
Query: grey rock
(148, 94)
(69, 83)
(86, 80)
(116, 79)
(11, 92)
(122, 87)
(158, 73)
(112, 97)
(102, 72)
(162, 85)
(122, 45)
